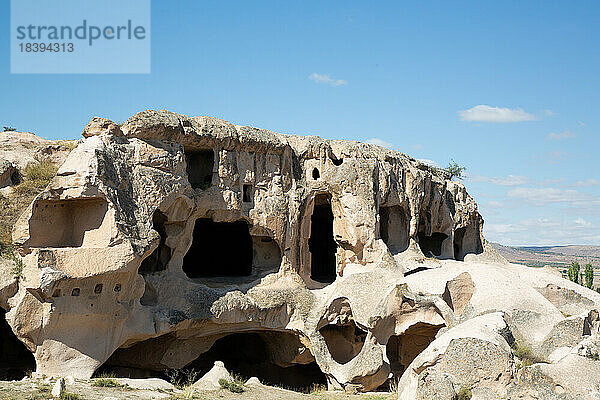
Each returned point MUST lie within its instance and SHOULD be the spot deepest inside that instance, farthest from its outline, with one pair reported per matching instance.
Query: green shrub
(181, 378)
(9, 129)
(524, 354)
(106, 382)
(233, 386)
(69, 396)
(44, 388)
(464, 393)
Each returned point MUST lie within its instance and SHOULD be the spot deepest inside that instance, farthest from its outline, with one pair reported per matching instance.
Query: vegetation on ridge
(34, 179)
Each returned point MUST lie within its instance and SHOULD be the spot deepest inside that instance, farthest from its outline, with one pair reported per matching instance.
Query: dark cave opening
(16, 361)
(315, 173)
(459, 234)
(321, 243)
(158, 260)
(467, 241)
(402, 349)
(344, 342)
(252, 354)
(219, 249)
(200, 168)
(432, 244)
(336, 161)
(270, 356)
(394, 229)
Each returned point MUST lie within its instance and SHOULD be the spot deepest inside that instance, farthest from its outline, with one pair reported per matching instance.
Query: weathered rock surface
(172, 242)
(7, 173)
(210, 381)
(22, 148)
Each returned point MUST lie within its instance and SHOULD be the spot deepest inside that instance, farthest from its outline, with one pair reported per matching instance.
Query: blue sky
(508, 89)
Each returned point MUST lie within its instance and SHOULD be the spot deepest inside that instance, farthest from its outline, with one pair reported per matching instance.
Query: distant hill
(557, 256)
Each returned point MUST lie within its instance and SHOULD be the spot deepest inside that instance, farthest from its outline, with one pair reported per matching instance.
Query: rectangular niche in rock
(70, 223)
(247, 193)
(200, 164)
(219, 249)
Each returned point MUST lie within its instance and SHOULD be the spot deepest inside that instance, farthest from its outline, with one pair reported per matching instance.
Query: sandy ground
(37, 390)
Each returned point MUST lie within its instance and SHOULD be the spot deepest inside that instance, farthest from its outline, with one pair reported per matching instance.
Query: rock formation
(171, 242)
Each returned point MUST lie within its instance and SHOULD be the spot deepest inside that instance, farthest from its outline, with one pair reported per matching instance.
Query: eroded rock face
(171, 241)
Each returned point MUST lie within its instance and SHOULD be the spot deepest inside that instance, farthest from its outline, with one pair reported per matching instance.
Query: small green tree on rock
(574, 272)
(455, 170)
(589, 276)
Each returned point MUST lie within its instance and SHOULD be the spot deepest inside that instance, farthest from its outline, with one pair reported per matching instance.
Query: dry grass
(34, 179)
(524, 354)
(69, 144)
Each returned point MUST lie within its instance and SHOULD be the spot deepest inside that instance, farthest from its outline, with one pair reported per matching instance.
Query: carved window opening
(321, 244)
(200, 166)
(160, 257)
(315, 174)
(247, 193)
(219, 249)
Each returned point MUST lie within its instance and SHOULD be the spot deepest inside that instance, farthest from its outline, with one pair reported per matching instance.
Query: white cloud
(549, 113)
(561, 135)
(581, 123)
(484, 113)
(544, 196)
(510, 180)
(543, 231)
(417, 147)
(429, 162)
(380, 142)
(494, 204)
(326, 79)
(552, 157)
(583, 223)
(587, 182)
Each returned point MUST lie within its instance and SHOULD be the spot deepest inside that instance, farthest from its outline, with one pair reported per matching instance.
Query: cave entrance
(467, 241)
(321, 244)
(402, 349)
(344, 342)
(219, 249)
(270, 356)
(200, 168)
(394, 229)
(160, 257)
(276, 358)
(16, 361)
(432, 244)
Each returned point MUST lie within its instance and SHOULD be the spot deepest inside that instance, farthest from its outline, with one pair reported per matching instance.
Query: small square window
(98, 288)
(247, 194)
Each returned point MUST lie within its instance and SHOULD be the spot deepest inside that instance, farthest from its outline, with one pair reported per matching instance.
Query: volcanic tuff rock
(171, 242)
